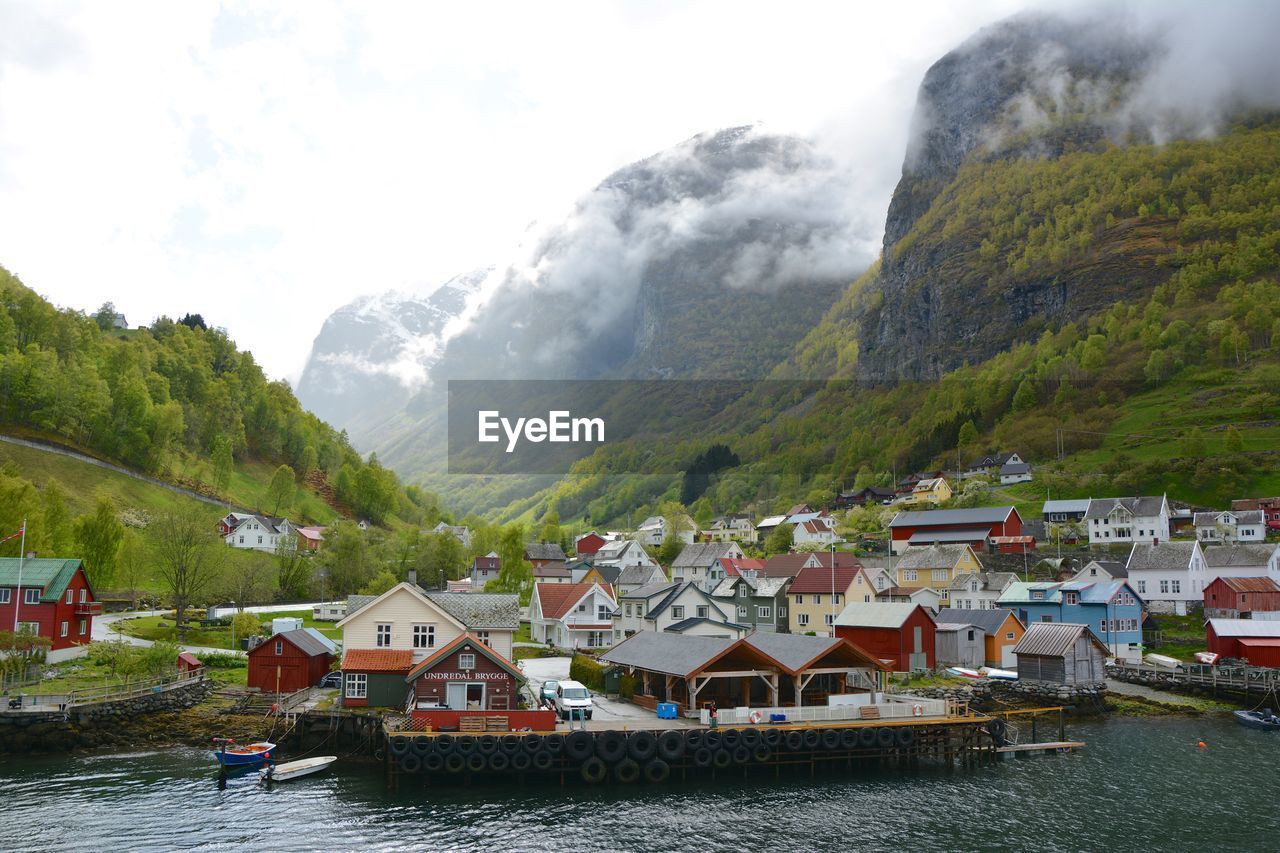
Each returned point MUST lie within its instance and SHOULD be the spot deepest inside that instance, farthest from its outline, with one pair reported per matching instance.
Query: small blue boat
(1264, 720)
(233, 755)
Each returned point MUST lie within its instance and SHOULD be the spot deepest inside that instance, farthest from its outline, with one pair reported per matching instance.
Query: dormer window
(1037, 595)
(1070, 598)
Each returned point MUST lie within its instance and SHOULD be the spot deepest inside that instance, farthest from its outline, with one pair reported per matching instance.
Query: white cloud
(262, 167)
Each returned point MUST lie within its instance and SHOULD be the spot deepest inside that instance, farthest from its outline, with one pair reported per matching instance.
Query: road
(608, 713)
(104, 626)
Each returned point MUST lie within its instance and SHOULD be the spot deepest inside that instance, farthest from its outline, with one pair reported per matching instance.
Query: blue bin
(666, 710)
(777, 718)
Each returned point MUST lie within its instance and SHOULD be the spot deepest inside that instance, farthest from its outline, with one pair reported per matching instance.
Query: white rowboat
(295, 769)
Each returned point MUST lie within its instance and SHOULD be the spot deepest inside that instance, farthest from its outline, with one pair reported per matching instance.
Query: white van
(573, 697)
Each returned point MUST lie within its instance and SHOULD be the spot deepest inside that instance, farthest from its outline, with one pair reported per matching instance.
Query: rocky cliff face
(1031, 87)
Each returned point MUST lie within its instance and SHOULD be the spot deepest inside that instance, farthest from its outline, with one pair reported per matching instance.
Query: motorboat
(1001, 674)
(290, 770)
(1264, 720)
(231, 754)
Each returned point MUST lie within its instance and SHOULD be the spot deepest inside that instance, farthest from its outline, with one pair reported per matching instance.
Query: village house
(588, 544)
(977, 590)
(935, 566)
(655, 529)
(603, 575)
(290, 661)
(973, 527)
(545, 553)
(52, 599)
(256, 532)
(572, 616)
(990, 465)
(457, 531)
(731, 528)
(633, 577)
(1231, 526)
(670, 606)
(1012, 473)
(464, 675)
(767, 525)
(1110, 608)
(863, 497)
(552, 573)
(790, 565)
(1065, 511)
(1122, 520)
(1254, 640)
(623, 553)
(1103, 570)
(485, 569)
(902, 635)
(934, 490)
(1240, 561)
(758, 602)
(732, 567)
(1061, 653)
(1169, 576)
(907, 484)
(695, 561)
(814, 532)
(924, 596)
(816, 596)
(1001, 631)
(1242, 598)
(1270, 508)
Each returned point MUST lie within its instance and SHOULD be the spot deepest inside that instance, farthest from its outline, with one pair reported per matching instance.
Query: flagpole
(22, 552)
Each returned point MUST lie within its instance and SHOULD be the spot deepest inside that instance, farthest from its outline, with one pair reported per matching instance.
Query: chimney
(413, 577)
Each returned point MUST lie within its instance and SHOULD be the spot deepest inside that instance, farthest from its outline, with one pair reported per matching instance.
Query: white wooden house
(1128, 520)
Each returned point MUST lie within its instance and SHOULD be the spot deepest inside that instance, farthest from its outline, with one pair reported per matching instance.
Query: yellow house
(932, 491)
(812, 607)
(934, 566)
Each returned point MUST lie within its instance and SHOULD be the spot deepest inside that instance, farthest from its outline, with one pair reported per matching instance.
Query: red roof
(816, 527)
(787, 565)
(734, 567)
(1251, 584)
(818, 580)
(378, 660)
(189, 659)
(557, 598)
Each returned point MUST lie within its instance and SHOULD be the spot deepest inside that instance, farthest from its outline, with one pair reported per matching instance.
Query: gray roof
(968, 534)
(306, 643)
(958, 626)
(1239, 555)
(1115, 568)
(355, 602)
(988, 620)
(1081, 506)
(929, 518)
(701, 555)
(1266, 628)
(1014, 468)
(322, 639)
(791, 650)
(545, 551)
(1145, 507)
(761, 587)
(861, 614)
(933, 556)
(1208, 519)
(634, 575)
(609, 573)
(650, 590)
(480, 609)
(1166, 555)
(685, 624)
(1037, 528)
(672, 654)
(986, 580)
(1053, 639)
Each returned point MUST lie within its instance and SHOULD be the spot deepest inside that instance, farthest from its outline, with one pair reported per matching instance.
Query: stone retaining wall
(982, 689)
(90, 725)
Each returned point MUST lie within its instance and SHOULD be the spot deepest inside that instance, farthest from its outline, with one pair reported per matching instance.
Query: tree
(193, 321)
(968, 435)
(379, 583)
(188, 559)
(131, 563)
(1193, 443)
(669, 550)
(98, 537)
(106, 316)
(1025, 399)
(281, 489)
(440, 558)
(780, 539)
(307, 462)
(1233, 443)
(550, 527)
(248, 578)
(344, 564)
(293, 568)
(56, 535)
(223, 463)
(245, 624)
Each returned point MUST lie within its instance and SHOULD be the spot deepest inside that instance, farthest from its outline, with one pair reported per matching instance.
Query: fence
(108, 693)
(894, 707)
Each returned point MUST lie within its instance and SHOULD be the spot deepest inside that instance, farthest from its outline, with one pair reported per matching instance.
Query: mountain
(372, 352)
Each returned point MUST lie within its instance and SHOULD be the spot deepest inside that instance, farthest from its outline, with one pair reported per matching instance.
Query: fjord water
(1140, 784)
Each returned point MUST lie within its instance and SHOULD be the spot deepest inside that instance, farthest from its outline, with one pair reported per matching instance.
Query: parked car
(573, 698)
(332, 679)
(547, 696)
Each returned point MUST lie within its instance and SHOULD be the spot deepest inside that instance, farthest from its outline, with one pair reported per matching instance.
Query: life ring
(917, 710)
(755, 717)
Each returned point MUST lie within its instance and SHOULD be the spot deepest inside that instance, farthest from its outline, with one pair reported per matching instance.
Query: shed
(1232, 598)
(292, 660)
(188, 662)
(961, 644)
(1002, 628)
(901, 634)
(1061, 653)
(1254, 640)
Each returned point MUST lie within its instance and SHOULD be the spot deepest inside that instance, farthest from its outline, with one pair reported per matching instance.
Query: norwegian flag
(21, 530)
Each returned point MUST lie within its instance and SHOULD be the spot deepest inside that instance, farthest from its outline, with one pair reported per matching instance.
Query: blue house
(1110, 608)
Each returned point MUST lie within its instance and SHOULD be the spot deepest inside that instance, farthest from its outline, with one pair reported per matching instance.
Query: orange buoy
(1201, 744)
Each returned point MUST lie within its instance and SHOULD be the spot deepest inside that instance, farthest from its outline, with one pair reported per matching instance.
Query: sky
(263, 165)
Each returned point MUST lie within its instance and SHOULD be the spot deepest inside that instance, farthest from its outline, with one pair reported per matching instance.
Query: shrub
(587, 671)
(222, 660)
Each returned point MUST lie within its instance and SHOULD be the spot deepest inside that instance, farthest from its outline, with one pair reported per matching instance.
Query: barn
(1237, 598)
(1254, 640)
(289, 661)
(1061, 653)
(903, 635)
(972, 527)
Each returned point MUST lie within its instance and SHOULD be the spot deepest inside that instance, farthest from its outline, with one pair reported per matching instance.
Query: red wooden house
(289, 661)
(1254, 640)
(903, 635)
(55, 600)
(588, 545)
(949, 526)
(467, 678)
(1233, 598)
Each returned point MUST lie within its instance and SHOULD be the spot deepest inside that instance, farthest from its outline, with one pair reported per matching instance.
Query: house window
(971, 636)
(582, 608)
(242, 540)
(910, 575)
(84, 596)
(28, 627)
(383, 634)
(259, 540)
(702, 611)
(71, 596)
(468, 661)
(1070, 598)
(802, 620)
(742, 591)
(764, 612)
(817, 599)
(424, 636)
(1164, 587)
(799, 599)
(64, 629)
(742, 613)
(838, 596)
(6, 595)
(1046, 618)
(84, 627)
(628, 609)
(782, 612)
(279, 647)
(677, 612)
(357, 685)
(603, 612)
(830, 620)
(1037, 595)
(1008, 635)
(483, 636)
(31, 596)
(940, 574)
(1142, 587)
(1177, 586)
